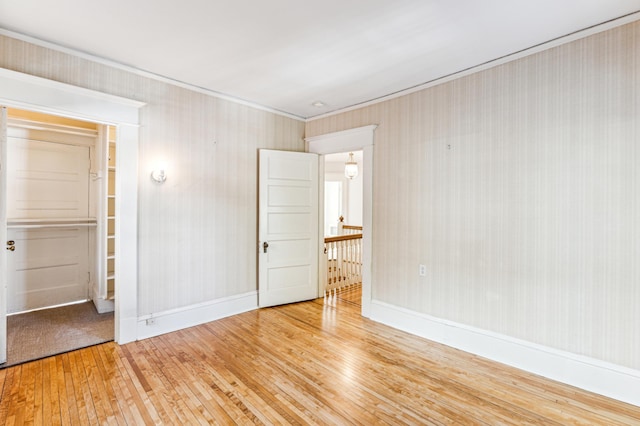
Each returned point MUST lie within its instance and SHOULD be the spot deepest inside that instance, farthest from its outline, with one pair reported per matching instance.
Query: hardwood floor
(316, 362)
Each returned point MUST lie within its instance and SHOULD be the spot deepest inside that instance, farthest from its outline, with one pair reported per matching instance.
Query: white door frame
(25, 91)
(360, 138)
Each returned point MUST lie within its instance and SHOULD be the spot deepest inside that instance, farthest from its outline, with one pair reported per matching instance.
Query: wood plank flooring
(316, 362)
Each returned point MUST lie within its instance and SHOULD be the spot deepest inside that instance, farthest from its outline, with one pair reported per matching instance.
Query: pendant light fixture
(351, 167)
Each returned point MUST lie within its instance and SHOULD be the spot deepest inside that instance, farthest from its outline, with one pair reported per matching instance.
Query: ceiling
(287, 54)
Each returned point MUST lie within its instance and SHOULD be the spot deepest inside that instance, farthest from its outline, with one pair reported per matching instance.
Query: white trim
(593, 375)
(507, 58)
(147, 74)
(346, 140)
(200, 313)
(126, 244)
(37, 94)
(490, 64)
(359, 138)
(102, 305)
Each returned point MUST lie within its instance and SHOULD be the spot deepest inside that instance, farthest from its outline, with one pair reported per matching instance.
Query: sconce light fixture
(158, 175)
(351, 167)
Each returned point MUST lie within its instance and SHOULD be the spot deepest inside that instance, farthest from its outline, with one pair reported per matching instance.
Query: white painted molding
(347, 140)
(102, 305)
(359, 138)
(142, 73)
(126, 227)
(490, 64)
(39, 94)
(517, 55)
(126, 329)
(593, 375)
(189, 316)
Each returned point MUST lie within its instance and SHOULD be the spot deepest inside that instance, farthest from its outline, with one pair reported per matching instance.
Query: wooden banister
(342, 238)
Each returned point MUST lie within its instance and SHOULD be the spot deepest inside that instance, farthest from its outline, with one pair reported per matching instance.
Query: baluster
(344, 263)
(349, 263)
(334, 272)
(354, 261)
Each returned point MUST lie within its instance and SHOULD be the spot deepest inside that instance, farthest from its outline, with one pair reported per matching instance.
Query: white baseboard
(177, 319)
(102, 305)
(590, 374)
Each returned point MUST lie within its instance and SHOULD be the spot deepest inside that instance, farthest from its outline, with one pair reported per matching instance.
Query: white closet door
(47, 180)
(48, 267)
(3, 235)
(50, 264)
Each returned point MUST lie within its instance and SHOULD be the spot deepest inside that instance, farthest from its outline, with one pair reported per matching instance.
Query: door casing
(356, 139)
(25, 91)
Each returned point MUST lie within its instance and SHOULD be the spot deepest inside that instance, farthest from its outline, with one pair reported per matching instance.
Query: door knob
(11, 248)
(265, 246)
(11, 243)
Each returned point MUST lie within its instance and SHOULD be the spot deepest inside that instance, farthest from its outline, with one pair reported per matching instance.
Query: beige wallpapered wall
(197, 232)
(519, 188)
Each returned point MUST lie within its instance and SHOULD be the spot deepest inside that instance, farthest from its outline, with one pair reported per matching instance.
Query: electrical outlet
(151, 321)
(422, 270)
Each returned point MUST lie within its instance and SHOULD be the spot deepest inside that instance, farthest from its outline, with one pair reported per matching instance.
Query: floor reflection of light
(347, 370)
(328, 316)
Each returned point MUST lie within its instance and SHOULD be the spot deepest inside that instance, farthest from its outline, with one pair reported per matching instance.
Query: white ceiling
(287, 54)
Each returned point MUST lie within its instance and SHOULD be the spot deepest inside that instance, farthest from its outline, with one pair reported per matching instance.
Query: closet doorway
(60, 211)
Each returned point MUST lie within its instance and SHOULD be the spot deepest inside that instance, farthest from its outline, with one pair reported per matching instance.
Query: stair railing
(343, 258)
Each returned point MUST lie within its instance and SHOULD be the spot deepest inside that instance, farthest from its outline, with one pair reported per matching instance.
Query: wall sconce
(351, 167)
(158, 175)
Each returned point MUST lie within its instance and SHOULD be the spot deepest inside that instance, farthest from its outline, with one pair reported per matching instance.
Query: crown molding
(613, 23)
(142, 73)
(568, 38)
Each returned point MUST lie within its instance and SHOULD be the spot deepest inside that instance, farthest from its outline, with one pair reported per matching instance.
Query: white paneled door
(47, 180)
(3, 234)
(288, 227)
(50, 266)
(47, 210)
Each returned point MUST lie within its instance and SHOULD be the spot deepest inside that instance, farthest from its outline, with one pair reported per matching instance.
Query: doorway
(57, 181)
(342, 195)
(43, 95)
(343, 228)
(357, 139)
